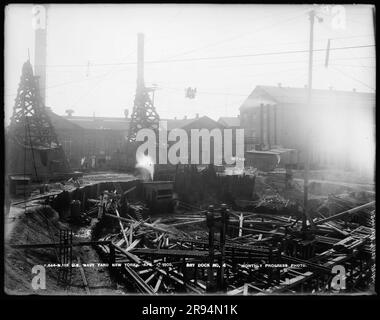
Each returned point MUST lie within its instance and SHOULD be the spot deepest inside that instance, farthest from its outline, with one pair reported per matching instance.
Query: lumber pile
(171, 253)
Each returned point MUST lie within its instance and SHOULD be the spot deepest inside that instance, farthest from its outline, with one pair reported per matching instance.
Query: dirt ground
(41, 225)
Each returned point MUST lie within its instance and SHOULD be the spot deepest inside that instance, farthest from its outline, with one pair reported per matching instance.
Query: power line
(353, 66)
(305, 41)
(71, 82)
(258, 54)
(238, 36)
(283, 62)
(222, 57)
(353, 78)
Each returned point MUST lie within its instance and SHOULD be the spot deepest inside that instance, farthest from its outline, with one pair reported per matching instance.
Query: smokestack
(40, 47)
(185, 117)
(197, 116)
(140, 60)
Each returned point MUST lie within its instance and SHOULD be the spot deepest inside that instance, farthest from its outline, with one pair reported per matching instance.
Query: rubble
(263, 252)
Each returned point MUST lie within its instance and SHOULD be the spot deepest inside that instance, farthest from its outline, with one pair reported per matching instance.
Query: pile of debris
(263, 252)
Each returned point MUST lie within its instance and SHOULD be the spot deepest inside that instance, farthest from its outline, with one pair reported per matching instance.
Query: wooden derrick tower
(30, 124)
(33, 146)
(144, 114)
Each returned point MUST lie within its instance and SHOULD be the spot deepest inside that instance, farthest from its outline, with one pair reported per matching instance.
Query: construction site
(129, 225)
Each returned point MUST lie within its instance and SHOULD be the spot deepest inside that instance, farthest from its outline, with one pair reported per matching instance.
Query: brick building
(100, 142)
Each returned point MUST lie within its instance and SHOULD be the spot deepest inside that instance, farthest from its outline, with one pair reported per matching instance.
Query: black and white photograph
(189, 150)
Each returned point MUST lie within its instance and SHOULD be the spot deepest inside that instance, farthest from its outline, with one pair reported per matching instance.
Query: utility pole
(307, 121)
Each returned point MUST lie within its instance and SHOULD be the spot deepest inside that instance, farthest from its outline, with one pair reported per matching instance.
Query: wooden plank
(241, 221)
(158, 283)
(345, 233)
(129, 190)
(121, 227)
(37, 198)
(128, 254)
(131, 234)
(255, 288)
(119, 243)
(353, 210)
(141, 283)
(144, 271)
(150, 277)
(294, 282)
(133, 244)
(235, 291)
(120, 218)
(83, 276)
(174, 278)
(187, 222)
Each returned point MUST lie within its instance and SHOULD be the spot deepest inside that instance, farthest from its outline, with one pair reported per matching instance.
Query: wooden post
(122, 228)
(100, 208)
(224, 213)
(83, 276)
(241, 221)
(233, 261)
(210, 224)
(184, 273)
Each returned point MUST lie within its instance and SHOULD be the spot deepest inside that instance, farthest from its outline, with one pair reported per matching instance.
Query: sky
(224, 51)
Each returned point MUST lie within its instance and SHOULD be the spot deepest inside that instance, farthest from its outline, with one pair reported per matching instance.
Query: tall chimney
(40, 47)
(140, 60)
(197, 116)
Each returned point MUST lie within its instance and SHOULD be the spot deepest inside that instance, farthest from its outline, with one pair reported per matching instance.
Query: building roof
(230, 121)
(195, 123)
(285, 95)
(178, 123)
(100, 123)
(122, 123)
(61, 123)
